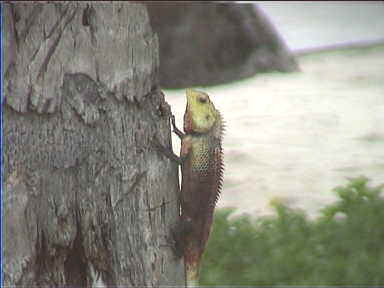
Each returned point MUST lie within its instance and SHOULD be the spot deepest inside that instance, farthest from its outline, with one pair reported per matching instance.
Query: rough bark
(87, 199)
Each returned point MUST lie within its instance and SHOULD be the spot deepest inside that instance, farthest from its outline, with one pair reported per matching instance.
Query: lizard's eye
(202, 99)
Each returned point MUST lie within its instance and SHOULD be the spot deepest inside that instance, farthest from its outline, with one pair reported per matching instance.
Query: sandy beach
(293, 137)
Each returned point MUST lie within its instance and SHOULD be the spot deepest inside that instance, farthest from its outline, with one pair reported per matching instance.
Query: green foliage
(344, 246)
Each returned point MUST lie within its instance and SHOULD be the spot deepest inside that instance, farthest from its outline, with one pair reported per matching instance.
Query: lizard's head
(200, 115)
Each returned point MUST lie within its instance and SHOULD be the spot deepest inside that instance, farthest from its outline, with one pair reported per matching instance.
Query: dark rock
(212, 43)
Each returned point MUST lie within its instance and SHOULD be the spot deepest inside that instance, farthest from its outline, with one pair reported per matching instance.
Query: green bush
(344, 246)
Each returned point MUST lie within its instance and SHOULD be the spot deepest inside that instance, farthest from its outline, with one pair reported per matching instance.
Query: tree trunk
(87, 199)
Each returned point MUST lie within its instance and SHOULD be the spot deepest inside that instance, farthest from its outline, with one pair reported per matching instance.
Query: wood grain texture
(87, 199)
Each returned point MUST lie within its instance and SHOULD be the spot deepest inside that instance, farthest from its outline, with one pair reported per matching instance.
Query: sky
(310, 24)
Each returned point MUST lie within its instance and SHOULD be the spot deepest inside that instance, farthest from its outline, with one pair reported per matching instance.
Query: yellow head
(200, 115)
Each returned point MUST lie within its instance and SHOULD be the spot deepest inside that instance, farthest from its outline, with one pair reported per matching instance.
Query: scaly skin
(201, 159)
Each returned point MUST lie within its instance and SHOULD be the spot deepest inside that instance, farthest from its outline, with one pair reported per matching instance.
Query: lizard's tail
(191, 283)
(191, 275)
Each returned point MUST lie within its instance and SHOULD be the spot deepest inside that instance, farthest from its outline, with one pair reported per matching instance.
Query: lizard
(201, 160)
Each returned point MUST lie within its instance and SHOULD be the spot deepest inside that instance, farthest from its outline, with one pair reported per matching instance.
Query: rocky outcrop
(212, 43)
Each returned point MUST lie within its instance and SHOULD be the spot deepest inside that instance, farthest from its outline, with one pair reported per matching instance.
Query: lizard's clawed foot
(165, 151)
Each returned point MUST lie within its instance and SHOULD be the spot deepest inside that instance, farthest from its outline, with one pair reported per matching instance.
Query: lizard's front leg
(167, 151)
(175, 129)
(185, 145)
